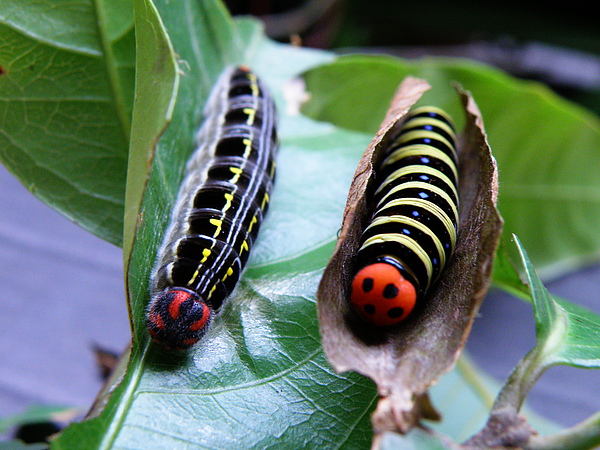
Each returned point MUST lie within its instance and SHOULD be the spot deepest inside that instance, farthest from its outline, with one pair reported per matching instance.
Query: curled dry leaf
(405, 360)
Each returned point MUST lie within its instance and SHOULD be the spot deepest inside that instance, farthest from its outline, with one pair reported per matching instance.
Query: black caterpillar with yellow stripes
(413, 229)
(219, 209)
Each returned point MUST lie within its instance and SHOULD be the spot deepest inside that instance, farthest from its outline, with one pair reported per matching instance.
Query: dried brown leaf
(404, 361)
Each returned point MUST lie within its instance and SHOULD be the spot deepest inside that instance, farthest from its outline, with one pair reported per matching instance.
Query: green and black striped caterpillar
(412, 232)
(219, 210)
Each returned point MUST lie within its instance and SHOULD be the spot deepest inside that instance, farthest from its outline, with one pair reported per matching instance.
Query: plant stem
(521, 380)
(505, 427)
(584, 435)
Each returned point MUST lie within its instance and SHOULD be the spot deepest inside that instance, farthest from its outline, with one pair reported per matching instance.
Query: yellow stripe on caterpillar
(424, 186)
(405, 220)
(419, 150)
(423, 134)
(427, 206)
(427, 170)
(423, 121)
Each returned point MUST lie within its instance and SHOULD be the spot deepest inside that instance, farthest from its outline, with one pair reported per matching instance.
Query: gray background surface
(62, 292)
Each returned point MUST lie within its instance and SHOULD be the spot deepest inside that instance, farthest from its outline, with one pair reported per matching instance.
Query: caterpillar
(412, 232)
(220, 207)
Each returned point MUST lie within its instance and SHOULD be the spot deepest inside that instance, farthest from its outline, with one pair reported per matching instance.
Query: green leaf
(506, 276)
(548, 197)
(581, 347)
(566, 333)
(157, 72)
(66, 93)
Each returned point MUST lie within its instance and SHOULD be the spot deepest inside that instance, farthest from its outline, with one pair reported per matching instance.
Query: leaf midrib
(236, 387)
(111, 69)
(127, 398)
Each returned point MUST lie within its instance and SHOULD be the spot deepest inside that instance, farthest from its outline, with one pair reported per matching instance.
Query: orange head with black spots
(381, 295)
(178, 318)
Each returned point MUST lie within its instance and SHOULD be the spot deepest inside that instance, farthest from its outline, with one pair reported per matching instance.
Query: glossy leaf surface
(66, 94)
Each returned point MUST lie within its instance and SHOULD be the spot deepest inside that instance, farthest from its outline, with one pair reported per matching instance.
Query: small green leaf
(506, 277)
(566, 333)
(66, 93)
(581, 347)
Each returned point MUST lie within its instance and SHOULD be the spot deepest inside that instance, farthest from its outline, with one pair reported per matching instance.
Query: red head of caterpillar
(178, 318)
(381, 295)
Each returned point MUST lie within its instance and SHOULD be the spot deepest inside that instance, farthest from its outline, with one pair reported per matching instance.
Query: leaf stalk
(584, 435)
